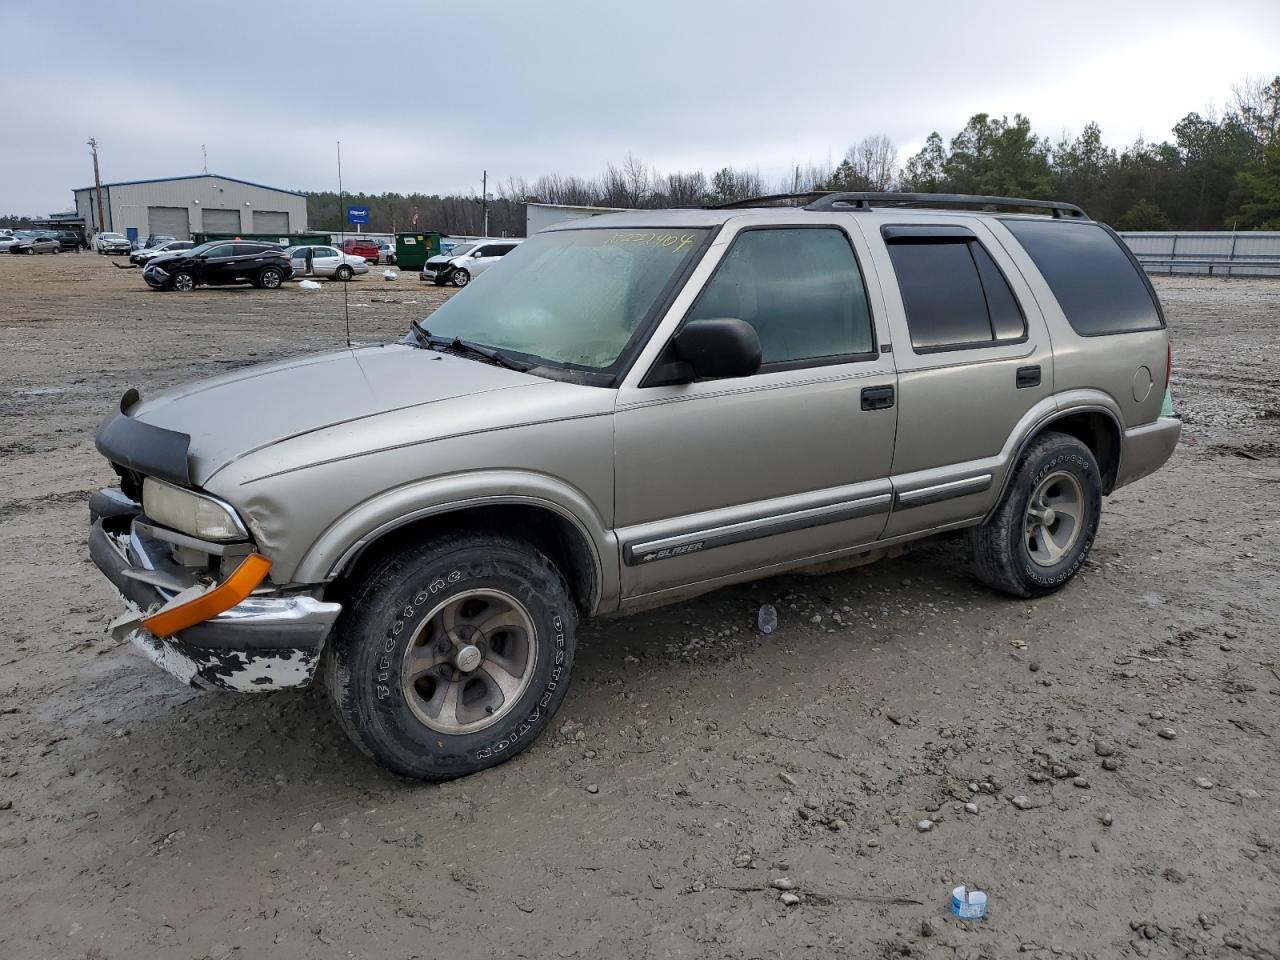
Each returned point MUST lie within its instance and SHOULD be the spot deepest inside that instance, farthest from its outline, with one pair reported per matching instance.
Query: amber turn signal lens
(242, 582)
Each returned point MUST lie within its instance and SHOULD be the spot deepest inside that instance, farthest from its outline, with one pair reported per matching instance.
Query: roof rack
(841, 200)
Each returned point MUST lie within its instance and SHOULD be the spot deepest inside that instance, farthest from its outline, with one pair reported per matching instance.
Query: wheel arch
(551, 531)
(558, 518)
(1094, 420)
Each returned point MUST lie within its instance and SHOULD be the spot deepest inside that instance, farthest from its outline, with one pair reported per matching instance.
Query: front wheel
(453, 656)
(183, 282)
(459, 278)
(1041, 533)
(270, 278)
(343, 273)
(31, 251)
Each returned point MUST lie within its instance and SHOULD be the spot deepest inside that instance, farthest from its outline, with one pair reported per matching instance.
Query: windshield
(460, 249)
(573, 297)
(113, 236)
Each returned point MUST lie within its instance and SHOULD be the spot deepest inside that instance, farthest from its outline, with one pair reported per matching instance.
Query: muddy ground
(141, 819)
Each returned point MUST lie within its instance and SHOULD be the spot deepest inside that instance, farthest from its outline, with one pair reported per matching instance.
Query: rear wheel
(459, 278)
(183, 282)
(270, 278)
(453, 656)
(1043, 529)
(343, 272)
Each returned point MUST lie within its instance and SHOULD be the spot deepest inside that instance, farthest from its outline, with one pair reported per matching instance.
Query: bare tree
(1257, 102)
(875, 160)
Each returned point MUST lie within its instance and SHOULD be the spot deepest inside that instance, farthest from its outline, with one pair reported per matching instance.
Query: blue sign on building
(357, 214)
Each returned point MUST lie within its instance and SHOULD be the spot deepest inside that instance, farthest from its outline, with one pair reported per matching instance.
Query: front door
(718, 478)
(217, 263)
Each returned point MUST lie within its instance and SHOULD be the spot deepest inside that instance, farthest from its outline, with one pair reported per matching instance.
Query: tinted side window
(954, 294)
(225, 250)
(801, 289)
(1098, 287)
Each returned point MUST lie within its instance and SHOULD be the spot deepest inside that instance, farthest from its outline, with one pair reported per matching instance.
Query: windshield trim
(613, 375)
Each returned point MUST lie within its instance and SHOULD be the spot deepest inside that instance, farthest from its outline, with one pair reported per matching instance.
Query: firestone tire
(1014, 551)
(399, 612)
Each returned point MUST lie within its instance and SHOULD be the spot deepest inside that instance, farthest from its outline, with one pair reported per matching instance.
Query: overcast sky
(424, 96)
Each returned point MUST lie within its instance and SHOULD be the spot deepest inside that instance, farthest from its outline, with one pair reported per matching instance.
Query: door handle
(877, 398)
(1028, 377)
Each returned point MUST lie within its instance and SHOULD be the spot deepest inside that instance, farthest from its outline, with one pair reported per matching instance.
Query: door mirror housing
(714, 348)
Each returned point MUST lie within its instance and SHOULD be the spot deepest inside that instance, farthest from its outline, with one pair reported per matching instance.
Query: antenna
(204, 152)
(342, 242)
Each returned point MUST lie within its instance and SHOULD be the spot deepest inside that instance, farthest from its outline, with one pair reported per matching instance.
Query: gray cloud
(425, 96)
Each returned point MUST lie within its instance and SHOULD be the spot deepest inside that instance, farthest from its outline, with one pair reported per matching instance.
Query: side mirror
(710, 349)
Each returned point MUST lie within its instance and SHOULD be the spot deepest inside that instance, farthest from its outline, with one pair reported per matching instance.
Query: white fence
(1208, 253)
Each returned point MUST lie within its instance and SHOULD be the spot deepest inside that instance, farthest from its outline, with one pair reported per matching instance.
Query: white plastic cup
(968, 904)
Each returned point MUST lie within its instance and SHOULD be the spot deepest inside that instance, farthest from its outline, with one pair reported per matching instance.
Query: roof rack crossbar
(843, 200)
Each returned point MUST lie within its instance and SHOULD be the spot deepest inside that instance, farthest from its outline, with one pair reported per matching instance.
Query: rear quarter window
(1098, 285)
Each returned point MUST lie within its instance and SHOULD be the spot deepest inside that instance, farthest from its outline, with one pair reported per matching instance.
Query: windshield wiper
(478, 350)
(421, 333)
(458, 345)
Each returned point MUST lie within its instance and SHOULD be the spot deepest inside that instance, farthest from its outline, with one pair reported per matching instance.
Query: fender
(1043, 414)
(349, 534)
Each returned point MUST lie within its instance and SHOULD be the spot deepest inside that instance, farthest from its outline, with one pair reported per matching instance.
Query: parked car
(140, 257)
(7, 240)
(624, 414)
(466, 261)
(69, 240)
(361, 247)
(111, 243)
(32, 241)
(219, 263)
(326, 261)
(387, 253)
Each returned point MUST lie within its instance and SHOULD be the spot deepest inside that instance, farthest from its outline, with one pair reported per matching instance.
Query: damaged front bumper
(268, 641)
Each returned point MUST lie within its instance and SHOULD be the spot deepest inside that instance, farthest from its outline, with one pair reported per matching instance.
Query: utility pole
(484, 201)
(97, 183)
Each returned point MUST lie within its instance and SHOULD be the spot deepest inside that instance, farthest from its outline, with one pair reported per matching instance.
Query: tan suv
(628, 411)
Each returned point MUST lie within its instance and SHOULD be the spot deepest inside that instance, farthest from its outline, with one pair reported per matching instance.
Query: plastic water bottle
(968, 904)
(767, 621)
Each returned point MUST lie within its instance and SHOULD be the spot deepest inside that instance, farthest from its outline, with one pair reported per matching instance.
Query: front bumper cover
(267, 642)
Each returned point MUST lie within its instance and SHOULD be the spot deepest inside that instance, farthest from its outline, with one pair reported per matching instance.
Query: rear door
(326, 261)
(973, 356)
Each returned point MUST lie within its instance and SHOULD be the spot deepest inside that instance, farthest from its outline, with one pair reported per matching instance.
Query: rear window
(1100, 289)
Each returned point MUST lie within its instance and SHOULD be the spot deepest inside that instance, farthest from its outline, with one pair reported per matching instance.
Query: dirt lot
(695, 760)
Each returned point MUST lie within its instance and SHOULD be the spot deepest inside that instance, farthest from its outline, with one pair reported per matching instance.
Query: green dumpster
(413, 249)
(284, 239)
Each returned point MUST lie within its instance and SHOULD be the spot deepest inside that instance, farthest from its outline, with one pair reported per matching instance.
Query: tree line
(1216, 172)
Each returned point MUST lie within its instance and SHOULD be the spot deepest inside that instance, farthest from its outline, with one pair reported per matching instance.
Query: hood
(442, 258)
(231, 416)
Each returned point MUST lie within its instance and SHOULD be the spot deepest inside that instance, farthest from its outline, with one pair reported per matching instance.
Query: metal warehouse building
(205, 203)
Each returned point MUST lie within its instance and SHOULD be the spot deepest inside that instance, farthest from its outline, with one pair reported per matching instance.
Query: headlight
(191, 513)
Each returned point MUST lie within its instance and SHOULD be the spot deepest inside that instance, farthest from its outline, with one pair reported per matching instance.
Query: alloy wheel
(470, 661)
(1054, 518)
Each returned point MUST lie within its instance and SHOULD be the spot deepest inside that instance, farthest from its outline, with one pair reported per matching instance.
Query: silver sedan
(324, 262)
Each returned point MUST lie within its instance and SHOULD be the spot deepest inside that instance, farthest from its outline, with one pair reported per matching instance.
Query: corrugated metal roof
(195, 176)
